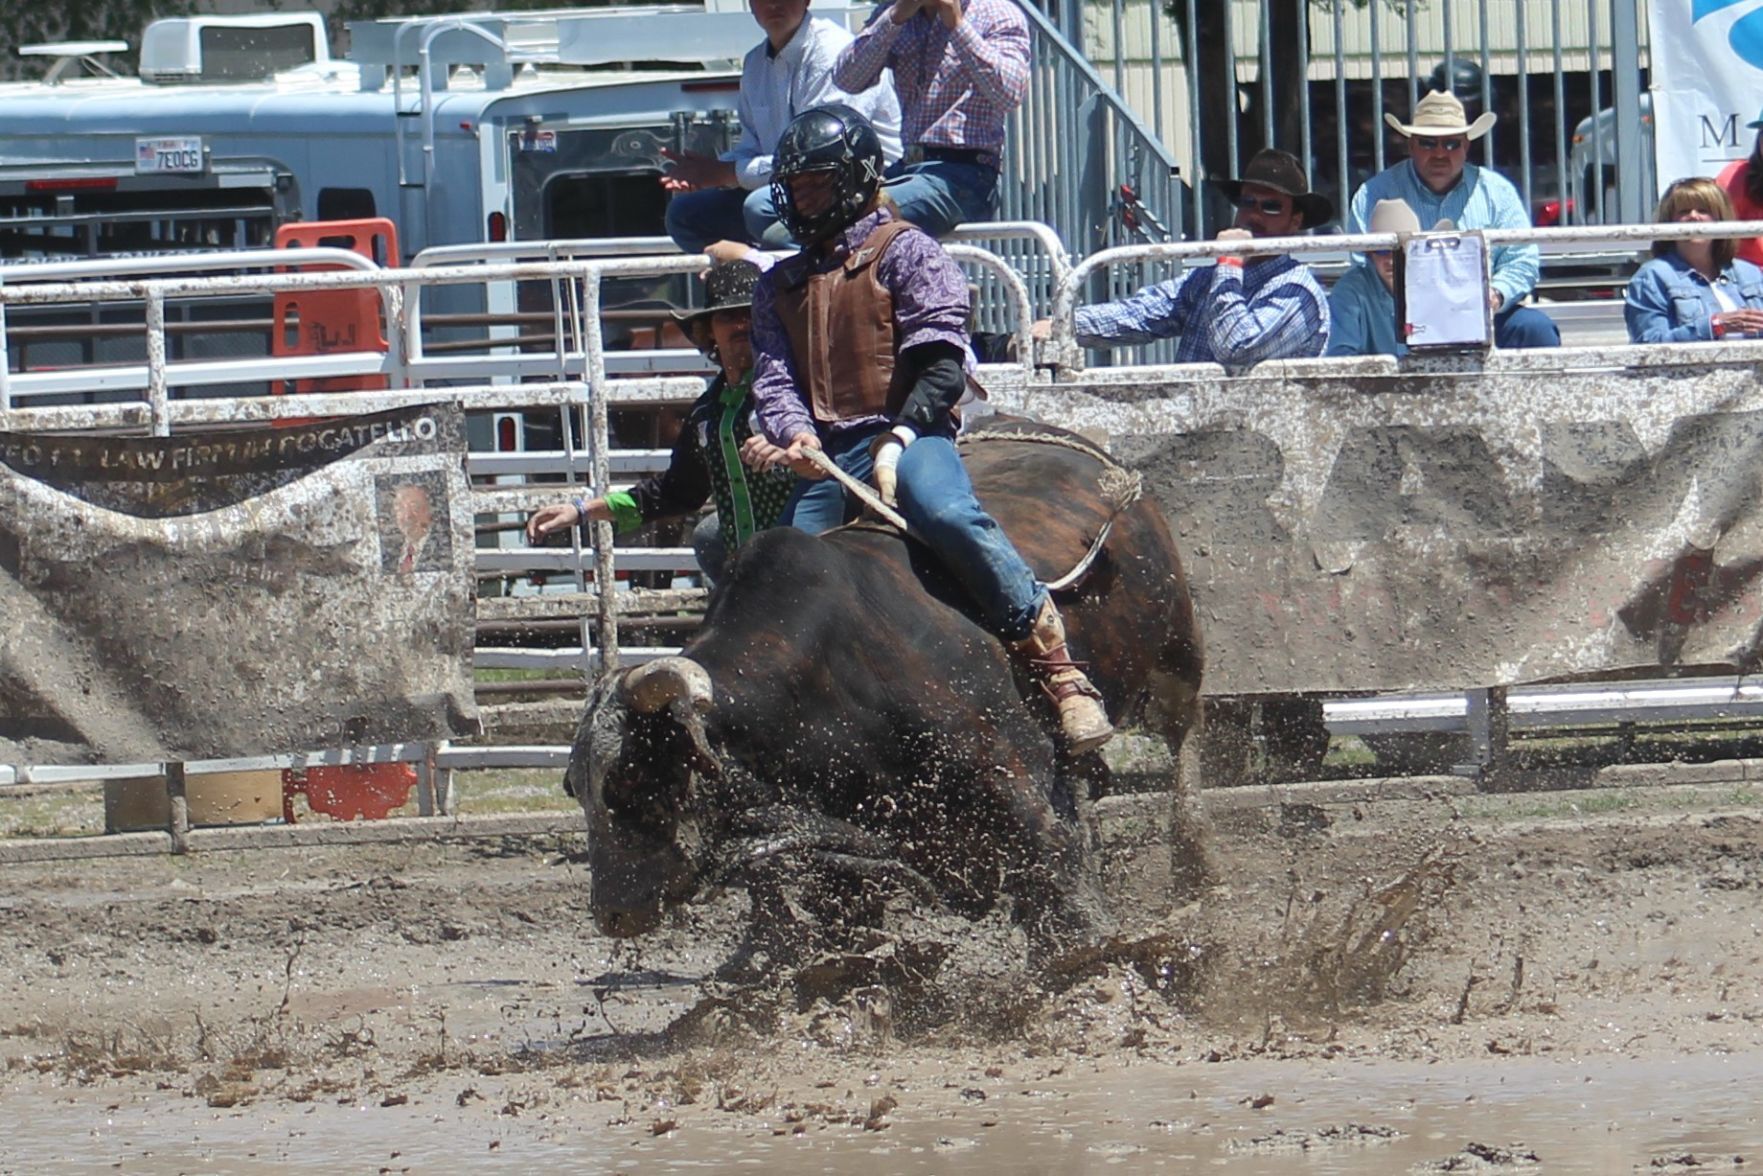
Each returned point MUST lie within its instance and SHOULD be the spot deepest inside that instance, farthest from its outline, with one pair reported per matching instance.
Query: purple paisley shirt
(930, 305)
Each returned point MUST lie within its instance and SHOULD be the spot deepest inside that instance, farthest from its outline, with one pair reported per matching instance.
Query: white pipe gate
(577, 376)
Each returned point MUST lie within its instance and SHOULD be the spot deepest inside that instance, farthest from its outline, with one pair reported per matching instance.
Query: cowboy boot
(1081, 718)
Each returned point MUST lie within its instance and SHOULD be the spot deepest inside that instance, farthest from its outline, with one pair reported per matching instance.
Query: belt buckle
(915, 154)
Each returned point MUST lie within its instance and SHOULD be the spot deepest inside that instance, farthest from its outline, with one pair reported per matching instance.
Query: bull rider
(861, 351)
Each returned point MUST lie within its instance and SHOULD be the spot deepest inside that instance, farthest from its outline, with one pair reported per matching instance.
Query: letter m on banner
(1707, 83)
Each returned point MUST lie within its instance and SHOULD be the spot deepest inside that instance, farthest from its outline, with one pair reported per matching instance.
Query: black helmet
(1464, 76)
(833, 139)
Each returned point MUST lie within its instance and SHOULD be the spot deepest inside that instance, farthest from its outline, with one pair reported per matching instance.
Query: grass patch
(1346, 752)
(487, 674)
(510, 790)
(69, 813)
(79, 811)
(1535, 807)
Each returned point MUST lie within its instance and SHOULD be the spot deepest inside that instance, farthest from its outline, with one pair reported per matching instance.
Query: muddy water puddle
(1257, 1118)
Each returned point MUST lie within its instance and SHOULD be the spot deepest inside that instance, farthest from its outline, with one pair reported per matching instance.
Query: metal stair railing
(1080, 159)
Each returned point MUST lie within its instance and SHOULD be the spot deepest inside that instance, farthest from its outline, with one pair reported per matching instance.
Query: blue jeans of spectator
(1519, 326)
(697, 219)
(936, 498)
(939, 194)
(710, 548)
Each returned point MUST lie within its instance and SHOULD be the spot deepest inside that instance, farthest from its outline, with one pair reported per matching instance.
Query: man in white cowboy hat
(1362, 304)
(1438, 182)
(1245, 308)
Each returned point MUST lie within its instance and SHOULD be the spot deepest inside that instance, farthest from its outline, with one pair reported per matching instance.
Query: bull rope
(1119, 487)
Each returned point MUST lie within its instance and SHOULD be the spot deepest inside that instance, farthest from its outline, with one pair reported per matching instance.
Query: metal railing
(1062, 349)
(1020, 254)
(1078, 156)
(1548, 68)
(585, 399)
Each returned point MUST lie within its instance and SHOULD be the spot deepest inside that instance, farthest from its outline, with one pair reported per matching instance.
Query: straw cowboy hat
(1281, 171)
(1441, 115)
(1393, 216)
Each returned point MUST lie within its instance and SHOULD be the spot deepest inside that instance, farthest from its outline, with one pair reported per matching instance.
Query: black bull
(841, 698)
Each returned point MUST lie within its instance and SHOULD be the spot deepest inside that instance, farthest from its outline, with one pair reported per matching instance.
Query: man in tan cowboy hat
(1245, 308)
(1438, 182)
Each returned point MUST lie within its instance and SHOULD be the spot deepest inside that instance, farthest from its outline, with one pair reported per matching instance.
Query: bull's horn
(665, 681)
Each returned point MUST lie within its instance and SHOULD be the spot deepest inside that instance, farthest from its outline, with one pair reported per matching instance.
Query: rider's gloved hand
(886, 450)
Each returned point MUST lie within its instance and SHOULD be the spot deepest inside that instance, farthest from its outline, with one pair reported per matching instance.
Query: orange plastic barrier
(315, 322)
(349, 792)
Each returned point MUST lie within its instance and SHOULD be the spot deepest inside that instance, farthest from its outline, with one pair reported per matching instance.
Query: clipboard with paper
(1443, 284)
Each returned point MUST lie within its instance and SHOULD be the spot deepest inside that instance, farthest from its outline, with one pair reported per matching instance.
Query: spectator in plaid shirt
(960, 68)
(1243, 309)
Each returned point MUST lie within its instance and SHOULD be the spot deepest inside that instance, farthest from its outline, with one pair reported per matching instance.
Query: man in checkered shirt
(1246, 307)
(960, 68)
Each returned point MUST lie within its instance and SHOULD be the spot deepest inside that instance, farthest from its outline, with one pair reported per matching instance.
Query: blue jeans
(939, 194)
(697, 219)
(1525, 326)
(709, 548)
(936, 498)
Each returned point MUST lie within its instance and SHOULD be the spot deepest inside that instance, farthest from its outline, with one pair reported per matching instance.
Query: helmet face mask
(837, 142)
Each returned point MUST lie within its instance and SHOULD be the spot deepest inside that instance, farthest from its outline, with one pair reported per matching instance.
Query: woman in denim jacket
(1694, 289)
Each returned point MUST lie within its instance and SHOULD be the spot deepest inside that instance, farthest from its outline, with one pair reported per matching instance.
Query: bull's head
(636, 753)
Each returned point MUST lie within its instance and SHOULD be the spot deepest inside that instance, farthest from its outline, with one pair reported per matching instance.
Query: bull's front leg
(1052, 870)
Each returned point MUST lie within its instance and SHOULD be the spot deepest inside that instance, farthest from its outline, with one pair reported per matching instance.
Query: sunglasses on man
(1430, 144)
(1268, 206)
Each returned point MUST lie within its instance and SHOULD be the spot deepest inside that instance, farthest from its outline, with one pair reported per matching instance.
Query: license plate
(168, 155)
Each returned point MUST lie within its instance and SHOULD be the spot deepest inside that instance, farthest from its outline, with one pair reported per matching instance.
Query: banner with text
(1707, 83)
(1447, 531)
(239, 592)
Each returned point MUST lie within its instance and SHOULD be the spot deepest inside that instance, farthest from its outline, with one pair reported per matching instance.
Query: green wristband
(625, 515)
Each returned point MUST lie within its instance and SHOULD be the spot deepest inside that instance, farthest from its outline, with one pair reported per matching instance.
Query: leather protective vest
(841, 329)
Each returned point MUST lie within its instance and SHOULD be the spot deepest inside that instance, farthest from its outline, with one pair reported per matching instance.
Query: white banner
(1432, 532)
(237, 592)
(1707, 83)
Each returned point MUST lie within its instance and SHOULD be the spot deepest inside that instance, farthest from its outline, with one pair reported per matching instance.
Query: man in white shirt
(729, 198)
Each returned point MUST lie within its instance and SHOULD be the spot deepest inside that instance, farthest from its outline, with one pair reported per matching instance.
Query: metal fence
(570, 372)
(576, 376)
(1317, 78)
(1079, 157)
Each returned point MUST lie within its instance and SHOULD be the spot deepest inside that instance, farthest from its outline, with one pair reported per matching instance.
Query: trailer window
(345, 204)
(605, 204)
(254, 54)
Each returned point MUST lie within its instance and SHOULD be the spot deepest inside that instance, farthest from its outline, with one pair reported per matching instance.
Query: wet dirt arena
(1384, 980)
